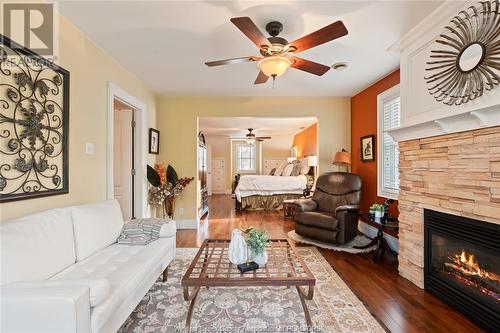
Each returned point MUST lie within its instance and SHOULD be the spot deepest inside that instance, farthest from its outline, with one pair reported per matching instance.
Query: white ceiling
(238, 126)
(165, 43)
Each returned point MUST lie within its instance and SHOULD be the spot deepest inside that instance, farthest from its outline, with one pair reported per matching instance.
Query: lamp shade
(312, 161)
(342, 158)
(274, 65)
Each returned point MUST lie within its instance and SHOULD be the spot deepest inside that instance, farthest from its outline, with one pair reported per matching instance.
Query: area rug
(334, 307)
(359, 240)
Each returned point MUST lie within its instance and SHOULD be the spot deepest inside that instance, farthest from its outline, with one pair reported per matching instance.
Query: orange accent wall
(306, 141)
(364, 122)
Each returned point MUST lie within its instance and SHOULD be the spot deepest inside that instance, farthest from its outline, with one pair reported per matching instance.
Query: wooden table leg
(303, 297)
(192, 298)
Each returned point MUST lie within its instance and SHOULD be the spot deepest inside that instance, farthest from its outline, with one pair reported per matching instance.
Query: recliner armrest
(347, 208)
(305, 205)
(45, 309)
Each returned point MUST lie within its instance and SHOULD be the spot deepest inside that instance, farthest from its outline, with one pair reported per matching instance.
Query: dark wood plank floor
(396, 303)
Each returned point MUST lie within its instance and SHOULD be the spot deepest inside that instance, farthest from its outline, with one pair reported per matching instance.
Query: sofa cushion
(168, 229)
(96, 226)
(37, 246)
(98, 288)
(320, 220)
(125, 267)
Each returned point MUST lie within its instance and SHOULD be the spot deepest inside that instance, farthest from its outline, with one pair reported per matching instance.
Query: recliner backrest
(335, 189)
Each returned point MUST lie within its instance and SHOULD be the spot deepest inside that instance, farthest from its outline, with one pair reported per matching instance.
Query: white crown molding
(486, 117)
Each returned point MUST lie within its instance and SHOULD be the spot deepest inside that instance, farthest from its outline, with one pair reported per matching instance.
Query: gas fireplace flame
(465, 267)
(469, 265)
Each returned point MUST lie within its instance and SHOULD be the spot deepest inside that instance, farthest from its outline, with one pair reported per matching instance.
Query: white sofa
(62, 270)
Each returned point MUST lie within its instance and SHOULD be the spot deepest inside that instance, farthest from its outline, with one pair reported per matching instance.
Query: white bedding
(269, 185)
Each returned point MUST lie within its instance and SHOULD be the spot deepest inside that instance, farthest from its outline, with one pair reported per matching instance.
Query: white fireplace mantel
(421, 115)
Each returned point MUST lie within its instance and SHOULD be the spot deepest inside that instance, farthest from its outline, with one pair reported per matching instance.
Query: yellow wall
(178, 123)
(90, 69)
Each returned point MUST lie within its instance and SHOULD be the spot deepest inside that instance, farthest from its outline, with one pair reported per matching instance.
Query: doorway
(124, 157)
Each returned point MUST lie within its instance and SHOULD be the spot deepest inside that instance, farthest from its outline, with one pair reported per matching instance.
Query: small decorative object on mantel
(34, 124)
(237, 251)
(154, 141)
(368, 148)
(169, 188)
(257, 241)
(467, 62)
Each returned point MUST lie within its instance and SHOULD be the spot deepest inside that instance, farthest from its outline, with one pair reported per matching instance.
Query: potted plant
(378, 210)
(257, 241)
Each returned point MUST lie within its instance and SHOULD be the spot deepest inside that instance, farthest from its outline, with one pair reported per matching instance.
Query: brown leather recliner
(331, 215)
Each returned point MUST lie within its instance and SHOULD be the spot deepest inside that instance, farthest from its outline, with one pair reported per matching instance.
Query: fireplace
(462, 265)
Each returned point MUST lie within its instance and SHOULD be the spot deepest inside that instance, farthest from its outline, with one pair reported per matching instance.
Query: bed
(265, 192)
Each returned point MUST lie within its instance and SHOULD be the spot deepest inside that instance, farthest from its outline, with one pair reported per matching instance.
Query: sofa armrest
(305, 205)
(45, 309)
(347, 208)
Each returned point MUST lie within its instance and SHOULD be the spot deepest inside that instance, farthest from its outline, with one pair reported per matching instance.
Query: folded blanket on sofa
(143, 231)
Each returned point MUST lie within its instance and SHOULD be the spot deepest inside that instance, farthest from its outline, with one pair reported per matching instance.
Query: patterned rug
(334, 307)
(359, 240)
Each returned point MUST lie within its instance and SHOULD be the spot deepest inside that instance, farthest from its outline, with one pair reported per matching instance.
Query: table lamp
(342, 158)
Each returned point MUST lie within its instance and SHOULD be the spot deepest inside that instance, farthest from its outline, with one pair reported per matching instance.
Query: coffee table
(211, 268)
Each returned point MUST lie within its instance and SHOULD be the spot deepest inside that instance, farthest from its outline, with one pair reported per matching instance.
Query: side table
(288, 209)
(379, 240)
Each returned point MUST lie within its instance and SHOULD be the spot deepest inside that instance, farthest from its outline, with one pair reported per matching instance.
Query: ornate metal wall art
(34, 121)
(468, 61)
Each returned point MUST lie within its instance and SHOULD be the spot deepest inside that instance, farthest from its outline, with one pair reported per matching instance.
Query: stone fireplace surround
(455, 173)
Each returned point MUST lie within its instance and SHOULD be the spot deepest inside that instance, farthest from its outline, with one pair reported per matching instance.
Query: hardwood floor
(396, 303)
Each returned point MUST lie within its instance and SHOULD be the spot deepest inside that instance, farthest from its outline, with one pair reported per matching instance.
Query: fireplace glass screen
(467, 267)
(462, 265)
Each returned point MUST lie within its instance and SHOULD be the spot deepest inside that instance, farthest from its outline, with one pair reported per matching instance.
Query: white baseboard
(371, 232)
(187, 224)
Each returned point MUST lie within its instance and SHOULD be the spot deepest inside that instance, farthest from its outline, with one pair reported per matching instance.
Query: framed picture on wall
(368, 148)
(154, 141)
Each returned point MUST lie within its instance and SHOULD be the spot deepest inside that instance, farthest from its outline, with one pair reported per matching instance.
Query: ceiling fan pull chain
(274, 79)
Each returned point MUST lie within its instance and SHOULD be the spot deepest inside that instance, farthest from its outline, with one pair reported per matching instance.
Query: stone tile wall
(454, 173)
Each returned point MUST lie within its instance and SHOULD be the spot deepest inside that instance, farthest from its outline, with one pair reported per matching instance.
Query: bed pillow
(280, 169)
(304, 169)
(296, 169)
(288, 170)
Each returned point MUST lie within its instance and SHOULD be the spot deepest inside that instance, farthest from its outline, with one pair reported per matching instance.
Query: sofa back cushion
(96, 226)
(37, 246)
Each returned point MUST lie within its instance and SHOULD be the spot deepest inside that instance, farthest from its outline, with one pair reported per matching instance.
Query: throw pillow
(280, 169)
(304, 170)
(288, 170)
(296, 169)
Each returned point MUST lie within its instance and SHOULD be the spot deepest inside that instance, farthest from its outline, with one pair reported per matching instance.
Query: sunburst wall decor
(34, 111)
(467, 62)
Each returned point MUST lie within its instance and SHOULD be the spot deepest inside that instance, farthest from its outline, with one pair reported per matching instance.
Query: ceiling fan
(250, 138)
(277, 54)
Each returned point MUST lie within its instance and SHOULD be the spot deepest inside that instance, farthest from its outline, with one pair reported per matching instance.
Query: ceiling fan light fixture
(275, 65)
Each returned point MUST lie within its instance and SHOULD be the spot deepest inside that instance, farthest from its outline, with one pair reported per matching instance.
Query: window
(245, 157)
(388, 117)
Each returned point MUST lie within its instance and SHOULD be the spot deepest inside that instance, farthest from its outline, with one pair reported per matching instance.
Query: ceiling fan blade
(246, 25)
(261, 78)
(263, 137)
(321, 36)
(309, 66)
(231, 61)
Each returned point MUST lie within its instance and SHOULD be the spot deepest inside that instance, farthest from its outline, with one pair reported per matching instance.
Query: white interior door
(218, 175)
(122, 161)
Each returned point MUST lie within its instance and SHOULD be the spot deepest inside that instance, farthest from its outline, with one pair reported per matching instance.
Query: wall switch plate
(181, 210)
(89, 148)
